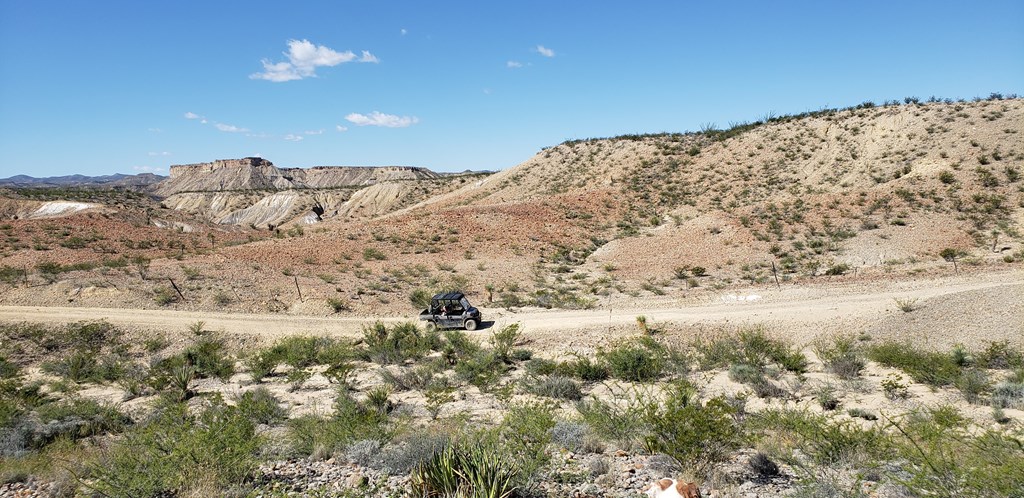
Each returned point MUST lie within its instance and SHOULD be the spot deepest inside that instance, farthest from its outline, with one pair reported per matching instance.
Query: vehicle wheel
(471, 324)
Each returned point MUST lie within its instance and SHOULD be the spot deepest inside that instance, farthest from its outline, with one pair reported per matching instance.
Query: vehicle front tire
(471, 324)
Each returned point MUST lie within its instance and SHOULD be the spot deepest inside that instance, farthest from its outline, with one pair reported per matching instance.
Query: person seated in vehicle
(444, 309)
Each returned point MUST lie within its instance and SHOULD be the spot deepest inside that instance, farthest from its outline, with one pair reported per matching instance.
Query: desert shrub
(555, 387)
(1009, 394)
(177, 453)
(541, 366)
(842, 356)
(973, 384)
(339, 304)
(79, 366)
(395, 344)
(811, 438)
(639, 360)
(11, 275)
(418, 377)
(458, 345)
(366, 453)
(752, 347)
(75, 418)
(946, 456)
(481, 370)
(697, 435)
(588, 370)
(763, 466)
(164, 295)
(373, 254)
(210, 359)
(420, 298)
(570, 435)
(351, 421)
(260, 364)
(1000, 355)
(411, 450)
(745, 374)
(503, 341)
(524, 435)
(624, 419)
(261, 406)
(932, 368)
(826, 396)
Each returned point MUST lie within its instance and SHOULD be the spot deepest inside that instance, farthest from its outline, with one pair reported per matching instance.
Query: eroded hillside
(863, 193)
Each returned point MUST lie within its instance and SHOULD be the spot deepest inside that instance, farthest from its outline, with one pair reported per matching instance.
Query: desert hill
(855, 194)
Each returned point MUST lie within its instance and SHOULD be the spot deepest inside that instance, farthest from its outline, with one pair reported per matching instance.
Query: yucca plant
(466, 471)
(181, 380)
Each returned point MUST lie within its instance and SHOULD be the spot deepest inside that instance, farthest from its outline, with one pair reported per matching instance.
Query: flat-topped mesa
(339, 176)
(220, 164)
(255, 173)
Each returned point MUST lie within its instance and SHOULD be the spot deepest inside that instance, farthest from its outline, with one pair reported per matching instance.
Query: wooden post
(776, 273)
(176, 289)
(297, 289)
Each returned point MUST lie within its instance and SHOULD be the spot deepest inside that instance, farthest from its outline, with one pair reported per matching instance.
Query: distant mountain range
(115, 180)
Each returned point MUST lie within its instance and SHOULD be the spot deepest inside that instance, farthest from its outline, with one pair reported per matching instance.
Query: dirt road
(796, 309)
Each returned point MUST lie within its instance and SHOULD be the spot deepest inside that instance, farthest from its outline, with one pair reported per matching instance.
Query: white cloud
(203, 121)
(341, 128)
(303, 59)
(376, 118)
(313, 132)
(513, 64)
(546, 52)
(165, 153)
(368, 57)
(404, 31)
(192, 115)
(230, 128)
(155, 130)
(148, 169)
(293, 138)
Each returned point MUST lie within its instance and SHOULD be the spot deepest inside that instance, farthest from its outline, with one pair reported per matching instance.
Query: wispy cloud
(303, 59)
(148, 169)
(546, 52)
(376, 118)
(404, 31)
(230, 128)
(341, 128)
(154, 154)
(293, 138)
(192, 115)
(313, 132)
(155, 130)
(513, 64)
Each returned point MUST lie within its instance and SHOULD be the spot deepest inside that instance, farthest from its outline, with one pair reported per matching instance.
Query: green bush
(351, 421)
(261, 406)
(697, 435)
(842, 357)
(1000, 355)
(555, 387)
(503, 341)
(638, 360)
(588, 370)
(934, 369)
(400, 342)
(946, 456)
(808, 438)
(177, 453)
(210, 359)
(625, 419)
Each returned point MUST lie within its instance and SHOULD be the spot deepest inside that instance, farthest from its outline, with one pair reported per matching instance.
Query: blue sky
(110, 86)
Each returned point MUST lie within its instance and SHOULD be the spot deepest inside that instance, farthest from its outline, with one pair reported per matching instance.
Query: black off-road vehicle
(451, 310)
